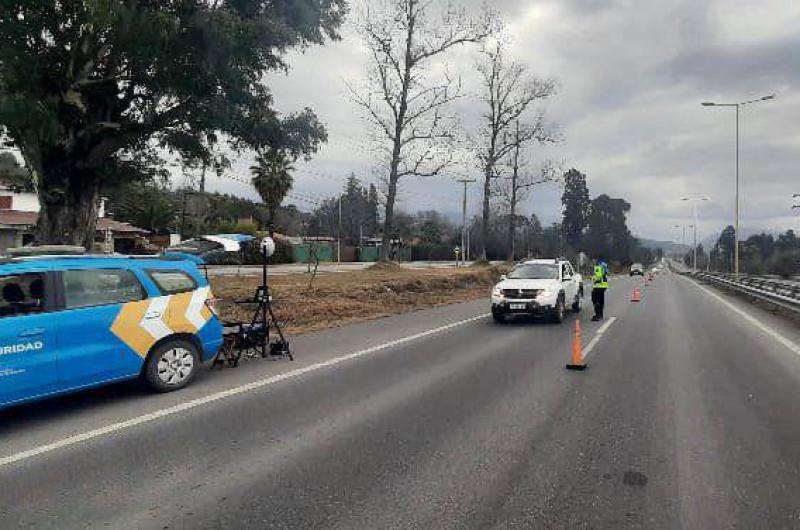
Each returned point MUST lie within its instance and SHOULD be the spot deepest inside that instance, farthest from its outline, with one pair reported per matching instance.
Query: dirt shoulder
(336, 299)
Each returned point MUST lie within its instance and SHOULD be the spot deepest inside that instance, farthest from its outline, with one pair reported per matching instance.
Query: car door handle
(32, 332)
(150, 315)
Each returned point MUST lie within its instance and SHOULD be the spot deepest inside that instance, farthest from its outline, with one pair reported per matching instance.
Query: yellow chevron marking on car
(180, 313)
(126, 327)
(176, 314)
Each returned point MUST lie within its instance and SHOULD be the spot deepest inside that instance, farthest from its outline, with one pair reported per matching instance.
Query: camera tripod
(252, 339)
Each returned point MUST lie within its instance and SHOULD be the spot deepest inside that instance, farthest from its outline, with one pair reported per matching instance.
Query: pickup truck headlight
(497, 291)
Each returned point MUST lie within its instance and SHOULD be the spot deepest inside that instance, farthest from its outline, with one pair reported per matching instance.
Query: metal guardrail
(784, 293)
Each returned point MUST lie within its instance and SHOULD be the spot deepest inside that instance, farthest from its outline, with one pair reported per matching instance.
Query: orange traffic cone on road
(635, 295)
(577, 355)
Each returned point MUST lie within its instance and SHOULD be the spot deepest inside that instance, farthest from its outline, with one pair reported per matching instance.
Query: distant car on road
(71, 322)
(544, 287)
(637, 268)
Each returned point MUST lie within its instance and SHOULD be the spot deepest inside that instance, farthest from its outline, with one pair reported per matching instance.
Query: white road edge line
(772, 332)
(217, 396)
(597, 336)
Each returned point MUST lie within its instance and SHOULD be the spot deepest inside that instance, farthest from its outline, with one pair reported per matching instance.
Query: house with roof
(19, 211)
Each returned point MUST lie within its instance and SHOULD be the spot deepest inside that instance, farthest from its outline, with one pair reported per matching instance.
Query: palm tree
(272, 179)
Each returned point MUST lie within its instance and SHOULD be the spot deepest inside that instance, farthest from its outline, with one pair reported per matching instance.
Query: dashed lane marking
(597, 336)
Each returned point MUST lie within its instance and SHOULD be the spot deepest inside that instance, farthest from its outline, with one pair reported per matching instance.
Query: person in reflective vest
(599, 286)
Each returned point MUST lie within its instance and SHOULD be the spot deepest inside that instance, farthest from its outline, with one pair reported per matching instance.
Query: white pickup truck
(538, 287)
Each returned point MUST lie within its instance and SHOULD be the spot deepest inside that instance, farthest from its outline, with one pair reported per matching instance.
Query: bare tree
(520, 182)
(403, 101)
(508, 92)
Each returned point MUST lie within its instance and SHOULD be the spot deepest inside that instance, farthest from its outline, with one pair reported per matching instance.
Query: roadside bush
(785, 263)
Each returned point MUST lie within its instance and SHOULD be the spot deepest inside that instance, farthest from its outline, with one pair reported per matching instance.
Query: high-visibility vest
(600, 277)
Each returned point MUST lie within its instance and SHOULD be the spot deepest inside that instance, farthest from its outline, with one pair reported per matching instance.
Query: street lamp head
(767, 98)
(708, 104)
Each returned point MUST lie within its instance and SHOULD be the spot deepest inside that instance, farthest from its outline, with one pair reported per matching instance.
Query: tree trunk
(512, 216)
(271, 226)
(487, 190)
(399, 125)
(69, 207)
(388, 221)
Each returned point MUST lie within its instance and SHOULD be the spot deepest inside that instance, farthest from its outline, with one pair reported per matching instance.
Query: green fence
(302, 253)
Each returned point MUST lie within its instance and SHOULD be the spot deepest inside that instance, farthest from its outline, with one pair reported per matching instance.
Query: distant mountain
(669, 247)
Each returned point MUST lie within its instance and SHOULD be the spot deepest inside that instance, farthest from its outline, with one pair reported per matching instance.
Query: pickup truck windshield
(534, 271)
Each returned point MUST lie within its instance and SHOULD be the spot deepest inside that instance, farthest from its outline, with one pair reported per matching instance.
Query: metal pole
(464, 223)
(694, 260)
(339, 235)
(736, 226)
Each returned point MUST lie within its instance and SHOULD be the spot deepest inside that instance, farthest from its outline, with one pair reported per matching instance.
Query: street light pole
(736, 206)
(694, 201)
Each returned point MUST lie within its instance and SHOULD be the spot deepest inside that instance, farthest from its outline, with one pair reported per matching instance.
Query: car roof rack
(46, 250)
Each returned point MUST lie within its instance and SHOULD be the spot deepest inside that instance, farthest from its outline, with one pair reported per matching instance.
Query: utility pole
(464, 234)
(339, 234)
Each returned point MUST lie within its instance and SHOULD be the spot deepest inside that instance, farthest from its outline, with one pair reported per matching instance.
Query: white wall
(24, 202)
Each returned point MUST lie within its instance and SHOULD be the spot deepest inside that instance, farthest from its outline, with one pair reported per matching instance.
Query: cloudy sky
(631, 75)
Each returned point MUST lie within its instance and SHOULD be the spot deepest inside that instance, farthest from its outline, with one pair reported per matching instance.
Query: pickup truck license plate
(516, 306)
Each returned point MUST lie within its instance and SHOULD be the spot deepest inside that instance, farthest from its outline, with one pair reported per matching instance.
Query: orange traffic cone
(635, 295)
(577, 357)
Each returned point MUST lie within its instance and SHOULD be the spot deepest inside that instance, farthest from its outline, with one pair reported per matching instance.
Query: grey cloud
(632, 75)
(742, 69)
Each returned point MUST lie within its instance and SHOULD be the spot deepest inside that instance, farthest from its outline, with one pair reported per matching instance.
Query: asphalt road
(687, 417)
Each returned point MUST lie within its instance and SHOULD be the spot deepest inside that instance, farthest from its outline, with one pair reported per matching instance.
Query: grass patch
(341, 298)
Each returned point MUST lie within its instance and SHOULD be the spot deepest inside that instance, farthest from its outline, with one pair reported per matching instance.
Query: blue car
(72, 322)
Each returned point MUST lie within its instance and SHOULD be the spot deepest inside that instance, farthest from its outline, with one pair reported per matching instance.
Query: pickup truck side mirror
(503, 277)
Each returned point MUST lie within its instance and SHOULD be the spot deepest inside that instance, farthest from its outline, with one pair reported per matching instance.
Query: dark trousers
(598, 300)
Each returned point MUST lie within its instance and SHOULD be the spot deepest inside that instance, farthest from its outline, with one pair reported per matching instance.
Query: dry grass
(342, 298)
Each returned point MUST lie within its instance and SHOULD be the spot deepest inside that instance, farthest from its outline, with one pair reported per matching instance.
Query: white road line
(218, 396)
(772, 332)
(597, 336)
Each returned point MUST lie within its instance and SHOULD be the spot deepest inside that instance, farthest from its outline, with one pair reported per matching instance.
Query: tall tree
(90, 89)
(507, 92)
(272, 179)
(577, 207)
(519, 186)
(724, 247)
(608, 234)
(358, 212)
(407, 105)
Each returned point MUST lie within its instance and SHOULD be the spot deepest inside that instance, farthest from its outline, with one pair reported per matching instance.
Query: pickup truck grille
(519, 294)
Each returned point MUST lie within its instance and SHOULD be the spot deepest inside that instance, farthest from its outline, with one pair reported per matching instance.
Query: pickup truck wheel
(578, 304)
(500, 319)
(558, 312)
